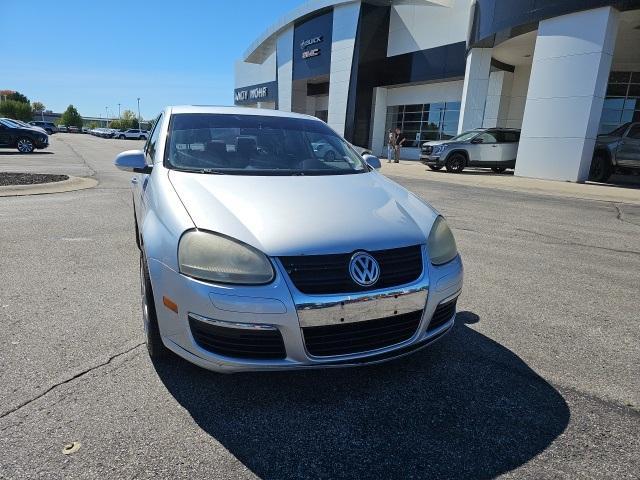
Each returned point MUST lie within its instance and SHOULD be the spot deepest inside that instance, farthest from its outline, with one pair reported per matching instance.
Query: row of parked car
(130, 133)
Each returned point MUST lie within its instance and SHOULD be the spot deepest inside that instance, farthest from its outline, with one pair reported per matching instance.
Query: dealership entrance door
(311, 97)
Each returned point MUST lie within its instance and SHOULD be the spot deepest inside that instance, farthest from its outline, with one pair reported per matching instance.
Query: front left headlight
(216, 258)
(441, 244)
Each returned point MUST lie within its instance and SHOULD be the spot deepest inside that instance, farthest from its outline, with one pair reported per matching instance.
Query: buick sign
(311, 41)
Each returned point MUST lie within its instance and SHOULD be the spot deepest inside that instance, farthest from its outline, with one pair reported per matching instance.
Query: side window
(488, 137)
(635, 132)
(509, 137)
(150, 147)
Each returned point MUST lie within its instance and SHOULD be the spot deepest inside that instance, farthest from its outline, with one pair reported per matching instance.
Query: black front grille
(443, 314)
(327, 274)
(346, 338)
(238, 342)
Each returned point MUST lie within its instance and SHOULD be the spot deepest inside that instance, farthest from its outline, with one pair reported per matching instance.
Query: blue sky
(95, 54)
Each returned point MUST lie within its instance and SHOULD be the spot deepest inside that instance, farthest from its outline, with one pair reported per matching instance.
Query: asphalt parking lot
(539, 378)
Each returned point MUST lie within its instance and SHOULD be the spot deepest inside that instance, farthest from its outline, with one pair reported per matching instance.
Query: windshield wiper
(211, 171)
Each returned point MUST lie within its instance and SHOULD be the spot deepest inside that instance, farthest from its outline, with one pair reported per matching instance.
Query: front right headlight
(441, 244)
(216, 258)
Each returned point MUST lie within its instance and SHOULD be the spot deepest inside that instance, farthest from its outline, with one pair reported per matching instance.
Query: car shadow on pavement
(466, 407)
(6, 154)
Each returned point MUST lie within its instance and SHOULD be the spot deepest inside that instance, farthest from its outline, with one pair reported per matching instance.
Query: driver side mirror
(132, 161)
(372, 161)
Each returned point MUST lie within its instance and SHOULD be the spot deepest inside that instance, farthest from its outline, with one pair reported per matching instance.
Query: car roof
(177, 109)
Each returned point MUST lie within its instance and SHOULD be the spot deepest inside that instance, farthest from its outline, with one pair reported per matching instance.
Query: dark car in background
(617, 151)
(49, 127)
(26, 140)
(494, 148)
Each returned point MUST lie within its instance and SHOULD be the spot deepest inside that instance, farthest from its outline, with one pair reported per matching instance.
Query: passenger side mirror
(132, 161)
(372, 161)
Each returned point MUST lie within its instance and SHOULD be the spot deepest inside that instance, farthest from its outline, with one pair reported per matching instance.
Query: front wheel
(142, 137)
(25, 145)
(455, 163)
(121, 137)
(435, 168)
(155, 347)
(499, 169)
(601, 168)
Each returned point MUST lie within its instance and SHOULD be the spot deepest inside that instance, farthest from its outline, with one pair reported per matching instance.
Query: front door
(488, 151)
(5, 136)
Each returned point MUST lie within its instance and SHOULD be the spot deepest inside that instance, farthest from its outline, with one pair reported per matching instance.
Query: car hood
(435, 142)
(607, 139)
(304, 215)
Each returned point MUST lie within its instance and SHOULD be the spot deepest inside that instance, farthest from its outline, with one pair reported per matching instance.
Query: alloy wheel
(25, 145)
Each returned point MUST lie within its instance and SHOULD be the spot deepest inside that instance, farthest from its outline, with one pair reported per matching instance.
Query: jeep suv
(494, 148)
(616, 151)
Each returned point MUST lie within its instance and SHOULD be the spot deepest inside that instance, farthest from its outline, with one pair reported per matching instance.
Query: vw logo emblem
(364, 269)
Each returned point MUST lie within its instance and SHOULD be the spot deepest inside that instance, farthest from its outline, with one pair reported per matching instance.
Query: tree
(17, 96)
(93, 125)
(71, 117)
(129, 120)
(38, 107)
(16, 110)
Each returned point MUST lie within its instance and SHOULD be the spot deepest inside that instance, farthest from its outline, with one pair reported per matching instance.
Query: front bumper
(431, 159)
(281, 306)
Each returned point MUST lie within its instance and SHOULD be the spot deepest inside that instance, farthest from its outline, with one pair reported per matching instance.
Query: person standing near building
(400, 139)
(391, 145)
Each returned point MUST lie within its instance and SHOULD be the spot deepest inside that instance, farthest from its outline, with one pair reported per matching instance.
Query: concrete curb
(584, 191)
(70, 185)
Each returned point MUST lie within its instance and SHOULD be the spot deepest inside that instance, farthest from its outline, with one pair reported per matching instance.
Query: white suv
(133, 133)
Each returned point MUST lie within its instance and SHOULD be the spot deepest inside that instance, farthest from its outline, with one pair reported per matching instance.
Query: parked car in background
(133, 133)
(617, 151)
(494, 148)
(49, 127)
(325, 282)
(62, 128)
(25, 139)
(27, 125)
(73, 129)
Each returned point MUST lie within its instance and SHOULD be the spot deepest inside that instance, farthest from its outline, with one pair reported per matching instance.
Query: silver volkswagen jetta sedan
(257, 253)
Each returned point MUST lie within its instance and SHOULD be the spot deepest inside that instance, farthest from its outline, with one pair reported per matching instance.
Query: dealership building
(562, 71)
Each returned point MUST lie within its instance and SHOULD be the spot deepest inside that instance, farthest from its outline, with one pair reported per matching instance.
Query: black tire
(155, 347)
(601, 168)
(142, 137)
(121, 137)
(25, 145)
(499, 169)
(435, 168)
(456, 163)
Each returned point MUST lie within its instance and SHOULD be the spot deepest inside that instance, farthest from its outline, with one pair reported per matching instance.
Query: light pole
(119, 111)
(139, 118)
(106, 109)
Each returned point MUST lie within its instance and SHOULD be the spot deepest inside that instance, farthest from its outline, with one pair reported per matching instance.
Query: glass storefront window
(420, 123)
(622, 103)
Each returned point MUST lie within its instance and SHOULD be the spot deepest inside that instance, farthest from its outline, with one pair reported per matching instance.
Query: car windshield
(620, 131)
(258, 145)
(9, 123)
(463, 137)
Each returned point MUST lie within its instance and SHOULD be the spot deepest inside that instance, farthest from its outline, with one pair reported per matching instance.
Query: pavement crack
(81, 157)
(562, 241)
(68, 380)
